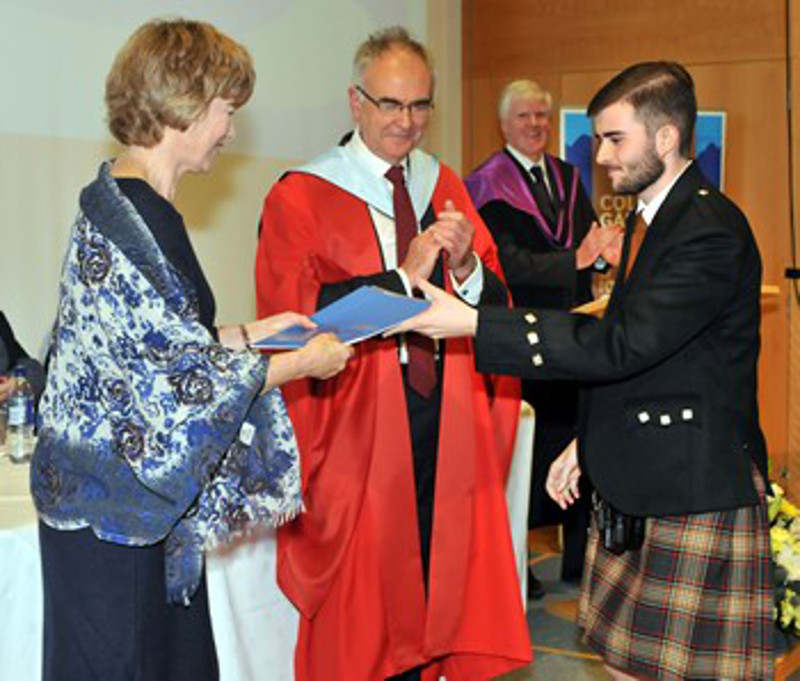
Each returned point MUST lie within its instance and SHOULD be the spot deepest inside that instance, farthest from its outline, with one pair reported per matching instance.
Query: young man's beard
(638, 178)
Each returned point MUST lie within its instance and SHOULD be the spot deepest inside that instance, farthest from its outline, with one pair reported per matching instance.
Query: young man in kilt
(678, 574)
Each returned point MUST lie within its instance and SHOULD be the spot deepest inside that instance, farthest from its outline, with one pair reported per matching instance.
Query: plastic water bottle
(3, 422)
(19, 428)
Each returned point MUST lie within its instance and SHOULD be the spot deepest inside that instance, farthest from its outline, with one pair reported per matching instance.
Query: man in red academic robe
(402, 564)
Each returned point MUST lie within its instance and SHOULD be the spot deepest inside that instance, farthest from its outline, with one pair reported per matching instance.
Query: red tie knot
(395, 175)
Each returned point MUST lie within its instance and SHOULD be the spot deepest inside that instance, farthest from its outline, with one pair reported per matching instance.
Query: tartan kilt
(695, 602)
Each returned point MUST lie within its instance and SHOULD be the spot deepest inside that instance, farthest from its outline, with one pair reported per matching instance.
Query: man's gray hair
(383, 41)
(521, 89)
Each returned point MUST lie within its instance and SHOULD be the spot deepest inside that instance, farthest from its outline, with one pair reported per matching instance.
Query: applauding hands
(605, 242)
(451, 235)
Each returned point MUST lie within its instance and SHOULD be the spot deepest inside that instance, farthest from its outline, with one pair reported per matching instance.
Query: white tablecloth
(20, 605)
(16, 505)
(255, 626)
(20, 577)
(518, 493)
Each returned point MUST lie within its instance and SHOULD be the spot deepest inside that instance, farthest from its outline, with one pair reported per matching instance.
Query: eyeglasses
(420, 108)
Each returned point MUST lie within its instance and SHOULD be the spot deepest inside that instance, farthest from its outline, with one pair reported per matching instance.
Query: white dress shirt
(649, 210)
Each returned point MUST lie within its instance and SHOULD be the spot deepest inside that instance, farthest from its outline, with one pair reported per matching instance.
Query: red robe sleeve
(290, 271)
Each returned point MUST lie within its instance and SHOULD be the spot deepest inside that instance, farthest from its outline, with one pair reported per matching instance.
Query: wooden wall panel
(571, 35)
(737, 55)
(507, 39)
(792, 290)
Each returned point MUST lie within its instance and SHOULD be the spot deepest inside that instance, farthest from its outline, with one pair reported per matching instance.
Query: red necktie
(421, 364)
(637, 236)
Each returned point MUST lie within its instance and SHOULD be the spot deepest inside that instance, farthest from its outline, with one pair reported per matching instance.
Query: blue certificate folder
(364, 313)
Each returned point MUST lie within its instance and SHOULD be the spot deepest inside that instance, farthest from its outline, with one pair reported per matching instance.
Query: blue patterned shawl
(149, 429)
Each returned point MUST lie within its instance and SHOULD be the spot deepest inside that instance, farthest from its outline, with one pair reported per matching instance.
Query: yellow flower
(789, 558)
(784, 536)
(775, 501)
(779, 537)
(788, 508)
(787, 614)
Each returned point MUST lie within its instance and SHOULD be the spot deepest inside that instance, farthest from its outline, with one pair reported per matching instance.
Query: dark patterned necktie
(421, 363)
(538, 175)
(539, 182)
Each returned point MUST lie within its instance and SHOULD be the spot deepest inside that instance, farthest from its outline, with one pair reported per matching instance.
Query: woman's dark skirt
(106, 617)
(695, 602)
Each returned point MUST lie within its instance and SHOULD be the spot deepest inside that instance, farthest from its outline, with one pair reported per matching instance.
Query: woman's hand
(322, 357)
(563, 476)
(239, 337)
(445, 318)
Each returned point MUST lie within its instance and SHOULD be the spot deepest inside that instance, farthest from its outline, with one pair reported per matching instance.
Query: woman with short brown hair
(168, 73)
(160, 433)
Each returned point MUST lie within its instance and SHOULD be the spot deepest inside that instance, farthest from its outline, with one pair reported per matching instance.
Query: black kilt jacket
(669, 422)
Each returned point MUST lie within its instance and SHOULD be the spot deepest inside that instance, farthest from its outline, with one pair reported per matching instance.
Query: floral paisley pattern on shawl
(149, 429)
